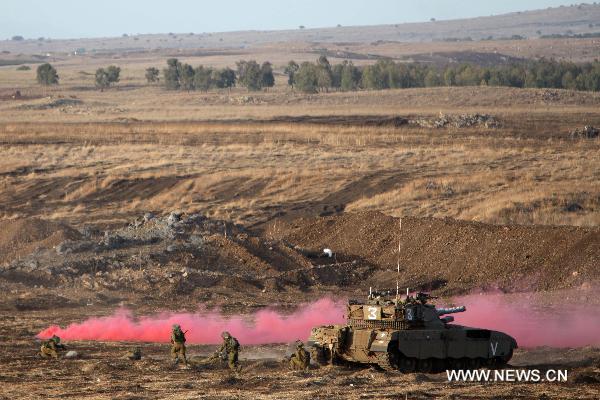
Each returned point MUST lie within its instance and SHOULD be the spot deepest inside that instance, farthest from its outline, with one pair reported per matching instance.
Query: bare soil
(102, 372)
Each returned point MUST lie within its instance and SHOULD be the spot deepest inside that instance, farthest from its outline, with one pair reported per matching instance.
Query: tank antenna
(398, 266)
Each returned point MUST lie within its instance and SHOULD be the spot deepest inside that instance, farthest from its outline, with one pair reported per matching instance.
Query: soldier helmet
(225, 335)
(176, 327)
(299, 343)
(55, 339)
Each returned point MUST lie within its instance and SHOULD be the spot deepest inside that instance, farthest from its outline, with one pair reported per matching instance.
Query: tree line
(180, 76)
(387, 74)
(321, 76)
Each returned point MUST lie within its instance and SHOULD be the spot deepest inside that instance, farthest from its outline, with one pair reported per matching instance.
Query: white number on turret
(372, 312)
(409, 314)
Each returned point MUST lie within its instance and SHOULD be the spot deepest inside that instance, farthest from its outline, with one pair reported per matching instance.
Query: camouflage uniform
(134, 354)
(178, 344)
(50, 347)
(301, 358)
(231, 347)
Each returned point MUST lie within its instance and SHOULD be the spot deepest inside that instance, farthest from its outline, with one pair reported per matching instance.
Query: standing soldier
(231, 347)
(178, 344)
(51, 346)
(301, 358)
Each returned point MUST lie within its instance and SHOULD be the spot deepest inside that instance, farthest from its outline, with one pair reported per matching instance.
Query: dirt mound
(458, 121)
(20, 237)
(163, 256)
(455, 256)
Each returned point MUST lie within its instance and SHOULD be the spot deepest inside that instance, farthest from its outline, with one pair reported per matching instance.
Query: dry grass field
(118, 153)
(251, 172)
(74, 155)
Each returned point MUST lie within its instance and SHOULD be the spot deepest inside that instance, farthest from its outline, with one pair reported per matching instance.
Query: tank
(408, 335)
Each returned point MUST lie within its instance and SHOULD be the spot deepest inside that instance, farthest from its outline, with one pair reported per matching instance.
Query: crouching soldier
(230, 347)
(178, 344)
(301, 358)
(134, 354)
(51, 347)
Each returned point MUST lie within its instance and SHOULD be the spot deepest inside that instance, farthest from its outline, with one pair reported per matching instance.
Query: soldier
(51, 346)
(134, 354)
(301, 358)
(178, 344)
(231, 347)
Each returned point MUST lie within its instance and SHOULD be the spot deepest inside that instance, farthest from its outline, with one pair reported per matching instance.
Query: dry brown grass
(251, 172)
(136, 148)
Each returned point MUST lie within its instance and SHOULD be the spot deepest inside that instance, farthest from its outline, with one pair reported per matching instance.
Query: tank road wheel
(319, 355)
(425, 365)
(473, 363)
(489, 362)
(505, 359)
(456, 363)
(407, 364)
(388, 361)
(439, 365)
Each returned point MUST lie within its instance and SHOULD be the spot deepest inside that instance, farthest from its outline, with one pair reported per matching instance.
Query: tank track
(319, 355)
(384, 361)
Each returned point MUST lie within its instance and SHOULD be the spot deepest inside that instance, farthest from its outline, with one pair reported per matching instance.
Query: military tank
(408, 335)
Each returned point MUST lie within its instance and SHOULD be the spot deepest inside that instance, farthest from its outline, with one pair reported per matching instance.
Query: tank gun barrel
(451, 310)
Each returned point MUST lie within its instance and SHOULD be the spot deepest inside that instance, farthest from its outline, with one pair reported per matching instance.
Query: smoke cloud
(565, 324)
(558, 325)
(205, 327)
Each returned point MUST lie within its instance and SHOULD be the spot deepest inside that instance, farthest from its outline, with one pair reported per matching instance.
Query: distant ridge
(564, 20)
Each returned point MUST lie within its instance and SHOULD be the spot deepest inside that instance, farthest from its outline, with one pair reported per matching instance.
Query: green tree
(186, 77)
(306, 78)
(171, 74)
(336, 75)
(203, 78)
(324, 79)
(323, 62)
(267, 79)
(216, 79)
(152, 75)
(114, 73)
(46, 75)
(433, 79)
(450, 76)
(101, 79)
(350, 76)
(290, 70)
(374, 77)
(568, 81)
(105, 77)
(249, 74)
(227, 78)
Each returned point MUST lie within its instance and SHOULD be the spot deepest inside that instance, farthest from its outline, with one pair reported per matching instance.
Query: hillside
(576, 19)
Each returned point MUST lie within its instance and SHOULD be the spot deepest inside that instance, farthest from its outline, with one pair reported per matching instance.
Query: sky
(79, 18)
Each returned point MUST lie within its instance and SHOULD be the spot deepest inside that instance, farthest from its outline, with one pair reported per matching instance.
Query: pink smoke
(559, 325)
(265, 326)
(565, 324)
